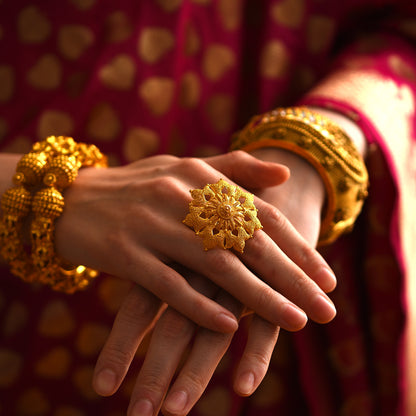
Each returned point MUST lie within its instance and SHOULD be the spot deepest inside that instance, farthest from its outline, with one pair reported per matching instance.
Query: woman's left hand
(302, 204)
(172, 336)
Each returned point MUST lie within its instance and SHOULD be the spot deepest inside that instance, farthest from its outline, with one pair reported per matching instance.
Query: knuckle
(194, 381)
(306, 254)
(258, 360)
(239, 156)
(256, 246)
(193, 164)
(221, 261)
(173, 326)
(298, 283)
(166, 186)
(153, 381)
(136, 309)
(116, 355)
(277, 218)
(265, 298)
(166, 284)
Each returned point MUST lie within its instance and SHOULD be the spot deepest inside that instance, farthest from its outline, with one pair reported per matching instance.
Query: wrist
(326, 146)
(301, 198)
(40, 177)
(304, 182)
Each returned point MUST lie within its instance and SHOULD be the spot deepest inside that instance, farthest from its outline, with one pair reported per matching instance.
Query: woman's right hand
(127, 222)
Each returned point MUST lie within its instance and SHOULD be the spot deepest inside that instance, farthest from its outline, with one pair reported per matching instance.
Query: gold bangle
(53, 162)
(16, 204)
(328, 148)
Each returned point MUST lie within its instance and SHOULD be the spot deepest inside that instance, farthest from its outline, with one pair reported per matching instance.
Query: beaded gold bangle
(54, 164)
(16, 204)
(328, 148)
(48, 204)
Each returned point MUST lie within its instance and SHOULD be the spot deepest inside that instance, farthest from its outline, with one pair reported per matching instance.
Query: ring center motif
(223, 215)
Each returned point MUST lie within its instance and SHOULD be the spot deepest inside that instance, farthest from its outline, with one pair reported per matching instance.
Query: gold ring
(223, 215)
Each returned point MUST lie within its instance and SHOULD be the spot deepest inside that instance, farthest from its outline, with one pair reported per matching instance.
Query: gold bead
(62, 171)
(16, 201)
(48, 202)
(19, 178)
(30, 168)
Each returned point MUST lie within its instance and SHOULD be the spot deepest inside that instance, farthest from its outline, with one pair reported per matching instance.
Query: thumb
(248, 171)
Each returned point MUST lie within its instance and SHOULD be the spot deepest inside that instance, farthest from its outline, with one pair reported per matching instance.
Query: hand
(127, 222)
(173, 333)
(171, 337)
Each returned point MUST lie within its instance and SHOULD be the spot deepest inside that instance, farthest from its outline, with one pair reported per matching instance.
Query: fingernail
(142, 408)
(105, 382)
(324, 308)
(330, 280)
(295, 318)
(246, 383)
(176, 402)
(226, 322)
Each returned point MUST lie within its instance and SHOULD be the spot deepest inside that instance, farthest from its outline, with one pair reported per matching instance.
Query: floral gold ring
(223, 215)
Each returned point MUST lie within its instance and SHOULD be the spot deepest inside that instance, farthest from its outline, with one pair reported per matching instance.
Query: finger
(262, 338)
(249, 171)
(282, 232)
(262, 255)
(208, 349)
(170, 338)
(228, 272)
(242, 283)
(171, 335)
(225, 269)
(133, 320)
(171, 287)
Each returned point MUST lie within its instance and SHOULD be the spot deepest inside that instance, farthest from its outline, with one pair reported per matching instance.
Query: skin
(114, 221)
(173, 333)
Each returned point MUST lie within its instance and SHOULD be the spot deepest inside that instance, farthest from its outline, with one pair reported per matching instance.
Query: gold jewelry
(223, 215)
(328, 148)
(53, 163)
(16, 204)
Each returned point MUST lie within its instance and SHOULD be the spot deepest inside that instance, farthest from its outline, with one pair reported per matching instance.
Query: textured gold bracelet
(53, 163)
(328, 148)
(16, 205)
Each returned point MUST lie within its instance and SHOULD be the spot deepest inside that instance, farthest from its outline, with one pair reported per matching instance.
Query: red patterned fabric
(180, 76)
